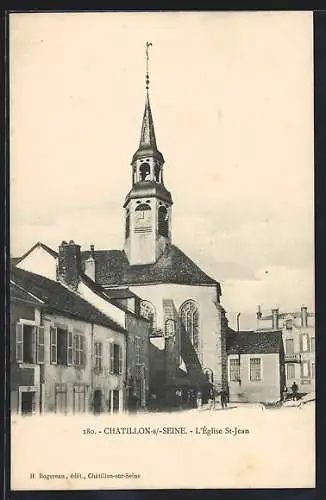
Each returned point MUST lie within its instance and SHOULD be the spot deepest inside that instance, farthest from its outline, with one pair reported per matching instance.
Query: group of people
(294, 392)
(224, 395)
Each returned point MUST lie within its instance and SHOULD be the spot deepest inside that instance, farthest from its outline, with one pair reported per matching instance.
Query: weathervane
(148, 44)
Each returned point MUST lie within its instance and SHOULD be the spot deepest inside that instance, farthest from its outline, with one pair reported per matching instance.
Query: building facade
(66, 356)
(298, 332)
(255, 366)
(121, 304)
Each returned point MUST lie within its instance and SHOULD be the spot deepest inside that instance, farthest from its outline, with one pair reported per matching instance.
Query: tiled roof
(58, 298)
(19, 294)
(113, 268)
(254, 342)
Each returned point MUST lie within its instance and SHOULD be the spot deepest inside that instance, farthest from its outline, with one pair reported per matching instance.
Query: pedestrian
(211, 399)
(285, 392)
(294, 389)
(223, 398)
(199, 399)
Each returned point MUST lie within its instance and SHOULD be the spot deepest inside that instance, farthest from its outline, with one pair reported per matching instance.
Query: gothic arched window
(190, 320)
(163, 221)
(145, 172)
(147, 310)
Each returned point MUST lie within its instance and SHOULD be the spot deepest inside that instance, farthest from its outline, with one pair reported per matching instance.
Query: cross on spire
(148, 44)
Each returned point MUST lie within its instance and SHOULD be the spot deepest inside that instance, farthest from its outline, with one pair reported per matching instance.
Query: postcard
(162, 320)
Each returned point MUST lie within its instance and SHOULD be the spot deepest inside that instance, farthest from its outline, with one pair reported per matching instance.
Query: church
(188, 325)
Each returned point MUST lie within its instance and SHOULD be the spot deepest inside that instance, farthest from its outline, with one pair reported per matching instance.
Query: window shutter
(34, 330)
(75, 352)
(69, 349)
(82, 353)
(111, 358)
(40, 345)
(120, 359)
(19, 342)
(53, 345)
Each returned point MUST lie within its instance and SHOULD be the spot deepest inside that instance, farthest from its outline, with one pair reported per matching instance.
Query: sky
(232, 102)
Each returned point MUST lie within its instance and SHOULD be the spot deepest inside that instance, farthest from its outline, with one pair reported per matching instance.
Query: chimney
(304, 316)
(275, 319)
(69, 264)
(90, 264)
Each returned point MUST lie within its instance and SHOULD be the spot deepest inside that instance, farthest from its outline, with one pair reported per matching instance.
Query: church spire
(147, 143)
(147, 136)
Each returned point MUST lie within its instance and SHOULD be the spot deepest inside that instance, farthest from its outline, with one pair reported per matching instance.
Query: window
(290, 371)
(147, 311)
(190, 319)
(40, 349)
(289, 346)
(163, 221)
(157, 172)
(61, 347)
(127, 224)
(145, 172)
(79, 350)
(53, 345)
(313, 370)
(79, 401)
(305, 369)
(60, 398)
(98, 356)
(29, 343)
(304, 341)
(312, 344)
(255, 369)
(115, 359)
(234, 370)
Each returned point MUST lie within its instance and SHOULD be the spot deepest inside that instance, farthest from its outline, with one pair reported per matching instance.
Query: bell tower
(148, 203)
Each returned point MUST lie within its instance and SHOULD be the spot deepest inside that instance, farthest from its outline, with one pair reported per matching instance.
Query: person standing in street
(294, 389)
(211, 398)
(224, 398)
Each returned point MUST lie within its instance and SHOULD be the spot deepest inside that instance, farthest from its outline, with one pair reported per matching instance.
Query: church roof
(147, 143)
(250, 342)
(148, 189)
(174, 266)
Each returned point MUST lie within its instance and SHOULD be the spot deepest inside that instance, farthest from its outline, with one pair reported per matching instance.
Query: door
(115, 401)
(27, 399)
(97, 401)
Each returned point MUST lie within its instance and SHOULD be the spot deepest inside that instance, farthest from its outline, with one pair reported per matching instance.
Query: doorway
(97, 401)
(27, 403)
